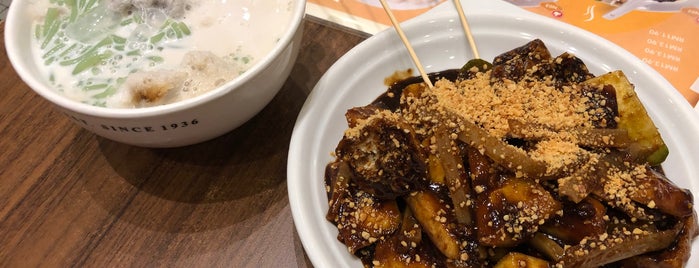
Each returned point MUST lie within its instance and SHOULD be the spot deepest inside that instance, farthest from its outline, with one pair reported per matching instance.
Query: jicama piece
(500, 152)
(656, 191)
(585, 180)
(618, 245)
(640, 187)
(586, 137)
(676, 255)
(432, 215)
(452, 163)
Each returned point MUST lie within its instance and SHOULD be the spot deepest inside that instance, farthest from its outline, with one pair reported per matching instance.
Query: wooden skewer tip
(403, 38)
(467, 29)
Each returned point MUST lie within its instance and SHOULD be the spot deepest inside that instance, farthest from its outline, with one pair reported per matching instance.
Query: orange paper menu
(662, 33)
(368, 15)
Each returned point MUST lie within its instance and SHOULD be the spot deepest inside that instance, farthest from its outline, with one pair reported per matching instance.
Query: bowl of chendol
(155, 73)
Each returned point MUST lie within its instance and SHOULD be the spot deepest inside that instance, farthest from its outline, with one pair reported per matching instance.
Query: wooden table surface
(70, 198)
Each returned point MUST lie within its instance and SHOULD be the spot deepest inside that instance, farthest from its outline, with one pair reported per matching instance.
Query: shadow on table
(236, 177)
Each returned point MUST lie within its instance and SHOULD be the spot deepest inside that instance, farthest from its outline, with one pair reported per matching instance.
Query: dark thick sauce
(391, 98)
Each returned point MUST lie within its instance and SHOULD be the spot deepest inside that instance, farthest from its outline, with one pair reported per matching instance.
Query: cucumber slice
(633, 117)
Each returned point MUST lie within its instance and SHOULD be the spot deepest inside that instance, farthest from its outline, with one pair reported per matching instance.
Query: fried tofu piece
(384, 154)
(530, 60)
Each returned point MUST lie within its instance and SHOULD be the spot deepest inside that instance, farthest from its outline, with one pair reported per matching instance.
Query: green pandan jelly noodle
(139, 53)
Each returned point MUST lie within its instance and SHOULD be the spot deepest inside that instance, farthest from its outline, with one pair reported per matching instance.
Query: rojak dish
(528, 161)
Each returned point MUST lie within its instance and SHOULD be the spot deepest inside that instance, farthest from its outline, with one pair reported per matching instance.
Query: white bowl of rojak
(557, 148)
(155, 73)
(528, 161)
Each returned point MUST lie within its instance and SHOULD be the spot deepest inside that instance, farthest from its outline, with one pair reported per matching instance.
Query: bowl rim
(21, 66)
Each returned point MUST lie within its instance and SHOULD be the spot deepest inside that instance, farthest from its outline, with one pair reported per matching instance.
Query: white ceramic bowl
(357, 78)
(177, 124)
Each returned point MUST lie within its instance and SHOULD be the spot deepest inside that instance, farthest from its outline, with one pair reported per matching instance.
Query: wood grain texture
(70, 198)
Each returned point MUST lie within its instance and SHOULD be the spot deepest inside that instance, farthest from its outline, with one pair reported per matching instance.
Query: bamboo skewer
(406, 43)
(467, 29)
